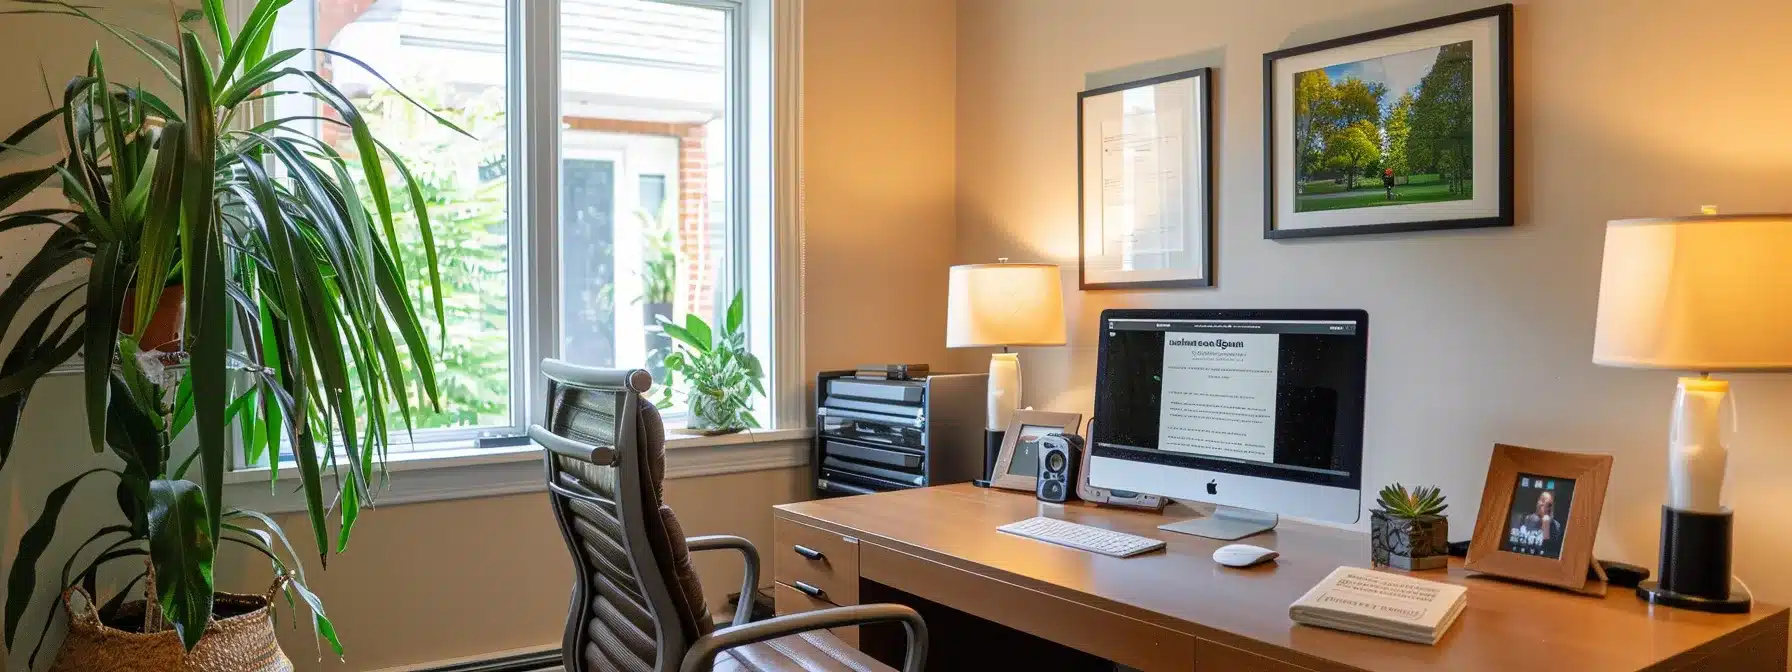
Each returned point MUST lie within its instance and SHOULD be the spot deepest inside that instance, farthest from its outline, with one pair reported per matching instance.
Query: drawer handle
(807, 552)
(809, 590)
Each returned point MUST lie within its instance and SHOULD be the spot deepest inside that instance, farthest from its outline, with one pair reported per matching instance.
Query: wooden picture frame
(1311, 172)
(1173, 137)
(1023, 434)
(1519, 535)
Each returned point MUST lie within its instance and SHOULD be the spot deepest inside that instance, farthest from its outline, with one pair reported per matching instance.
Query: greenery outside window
(648, 178)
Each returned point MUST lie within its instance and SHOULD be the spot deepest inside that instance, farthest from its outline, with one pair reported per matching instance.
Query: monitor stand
(1226, 523)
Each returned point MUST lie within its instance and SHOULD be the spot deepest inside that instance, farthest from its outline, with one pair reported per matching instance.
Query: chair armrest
(702, 654)
(749, 585)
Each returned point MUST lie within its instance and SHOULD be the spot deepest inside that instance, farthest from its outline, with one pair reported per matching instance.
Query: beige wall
(878, 180)
(51, 429)
(939, 132)
(1624, 109)
(446, 580)
(443, 580)
(420, 582)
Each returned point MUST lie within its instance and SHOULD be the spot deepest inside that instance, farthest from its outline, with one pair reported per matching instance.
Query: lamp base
(1695, 564)
(992, 449)
(1738, 601)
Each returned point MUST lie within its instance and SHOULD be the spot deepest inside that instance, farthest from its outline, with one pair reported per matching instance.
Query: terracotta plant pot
(164, 332)
(1409, 543)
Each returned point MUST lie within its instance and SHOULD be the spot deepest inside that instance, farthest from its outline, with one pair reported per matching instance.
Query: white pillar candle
(1004, 389)
(1696, 453)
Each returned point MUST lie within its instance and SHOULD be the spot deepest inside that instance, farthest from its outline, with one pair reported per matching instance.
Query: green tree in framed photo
(1395, 130)
(1391, 130)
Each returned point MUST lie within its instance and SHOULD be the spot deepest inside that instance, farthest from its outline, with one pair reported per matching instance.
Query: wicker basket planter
(240, 639)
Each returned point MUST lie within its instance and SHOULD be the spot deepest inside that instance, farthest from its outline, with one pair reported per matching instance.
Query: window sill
(456, 470)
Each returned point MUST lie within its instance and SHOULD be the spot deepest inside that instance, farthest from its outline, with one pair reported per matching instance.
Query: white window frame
(765, 218)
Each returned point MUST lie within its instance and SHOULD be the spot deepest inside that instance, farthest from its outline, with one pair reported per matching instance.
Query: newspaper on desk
(1383, 604)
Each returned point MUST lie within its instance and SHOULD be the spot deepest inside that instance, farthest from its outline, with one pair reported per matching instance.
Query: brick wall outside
(332, 16)
(701, 255)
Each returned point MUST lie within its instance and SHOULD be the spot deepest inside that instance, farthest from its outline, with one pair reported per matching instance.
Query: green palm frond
(300, 327)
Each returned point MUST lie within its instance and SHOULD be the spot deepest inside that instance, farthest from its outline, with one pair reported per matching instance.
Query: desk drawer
(813, 557)
(792, 601)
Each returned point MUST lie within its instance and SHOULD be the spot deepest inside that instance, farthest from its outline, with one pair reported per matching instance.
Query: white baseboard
(438, 664)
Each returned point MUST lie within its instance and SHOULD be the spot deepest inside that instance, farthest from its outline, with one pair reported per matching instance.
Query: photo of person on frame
(1539, 516)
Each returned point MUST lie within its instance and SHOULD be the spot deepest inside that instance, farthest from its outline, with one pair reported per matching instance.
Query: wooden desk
(1177, 610)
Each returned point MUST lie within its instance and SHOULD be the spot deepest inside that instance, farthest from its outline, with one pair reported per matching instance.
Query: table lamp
(1004, 305)
(1701, 295)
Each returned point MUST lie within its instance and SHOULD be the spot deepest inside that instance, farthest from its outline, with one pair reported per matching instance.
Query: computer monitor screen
(1259, 409)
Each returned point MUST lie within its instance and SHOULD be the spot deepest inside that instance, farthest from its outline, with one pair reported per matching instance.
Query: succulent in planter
(1409, 530)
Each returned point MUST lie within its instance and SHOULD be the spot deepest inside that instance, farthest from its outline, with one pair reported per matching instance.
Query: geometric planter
(1409, 543)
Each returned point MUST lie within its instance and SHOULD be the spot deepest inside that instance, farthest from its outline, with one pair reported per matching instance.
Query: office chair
(637, 604)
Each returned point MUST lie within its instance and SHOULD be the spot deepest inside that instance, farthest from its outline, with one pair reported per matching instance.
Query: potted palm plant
(1409, 531)
(296, 331)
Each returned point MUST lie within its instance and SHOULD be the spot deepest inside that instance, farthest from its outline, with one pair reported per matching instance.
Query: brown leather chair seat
(815, 651)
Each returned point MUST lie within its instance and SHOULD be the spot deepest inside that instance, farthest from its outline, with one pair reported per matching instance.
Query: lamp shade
(1697, 294)
(1004, 304)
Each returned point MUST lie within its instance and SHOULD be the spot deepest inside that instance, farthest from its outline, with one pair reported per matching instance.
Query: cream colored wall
(1624, 109)
(420, 582)
(443, 580)
(878, 180)
(51, 445)
(447, 580)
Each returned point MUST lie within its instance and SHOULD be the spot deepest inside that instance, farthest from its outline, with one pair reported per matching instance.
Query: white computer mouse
(1243, 555)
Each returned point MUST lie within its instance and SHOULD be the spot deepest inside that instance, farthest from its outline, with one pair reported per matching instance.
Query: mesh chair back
(636, 603)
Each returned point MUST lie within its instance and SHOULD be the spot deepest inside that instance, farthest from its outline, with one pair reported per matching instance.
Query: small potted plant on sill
(720, 375)
(1409, 531)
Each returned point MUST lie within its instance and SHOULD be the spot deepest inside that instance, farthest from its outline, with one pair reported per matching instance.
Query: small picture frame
(1017, 465)
(1539, 514)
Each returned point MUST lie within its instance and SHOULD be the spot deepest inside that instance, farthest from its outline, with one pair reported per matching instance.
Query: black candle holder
(1695, 564)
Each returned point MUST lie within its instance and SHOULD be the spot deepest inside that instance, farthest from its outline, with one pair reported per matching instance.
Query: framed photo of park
(1145, 183)
(1403, 129)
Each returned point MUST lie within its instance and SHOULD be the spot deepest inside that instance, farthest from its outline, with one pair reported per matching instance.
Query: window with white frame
(653, 215)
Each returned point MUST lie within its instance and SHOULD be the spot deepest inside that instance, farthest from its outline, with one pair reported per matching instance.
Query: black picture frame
(1503, 110)
(1204, 101)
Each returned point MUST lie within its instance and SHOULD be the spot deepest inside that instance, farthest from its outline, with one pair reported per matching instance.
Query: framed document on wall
(1145, 183)
(1402, 129)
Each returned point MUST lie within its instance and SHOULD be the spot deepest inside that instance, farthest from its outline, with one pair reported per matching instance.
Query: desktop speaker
(1060, 455)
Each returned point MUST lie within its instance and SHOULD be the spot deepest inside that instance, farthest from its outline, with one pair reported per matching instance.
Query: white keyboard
(1093, 539)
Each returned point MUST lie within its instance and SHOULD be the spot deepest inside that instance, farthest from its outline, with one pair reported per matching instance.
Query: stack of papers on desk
(1383, 604)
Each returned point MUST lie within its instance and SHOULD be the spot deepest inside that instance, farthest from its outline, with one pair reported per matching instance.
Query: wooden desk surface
(1505, 626)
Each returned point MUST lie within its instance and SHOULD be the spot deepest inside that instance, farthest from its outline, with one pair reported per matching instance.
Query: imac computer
(1257, 411)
